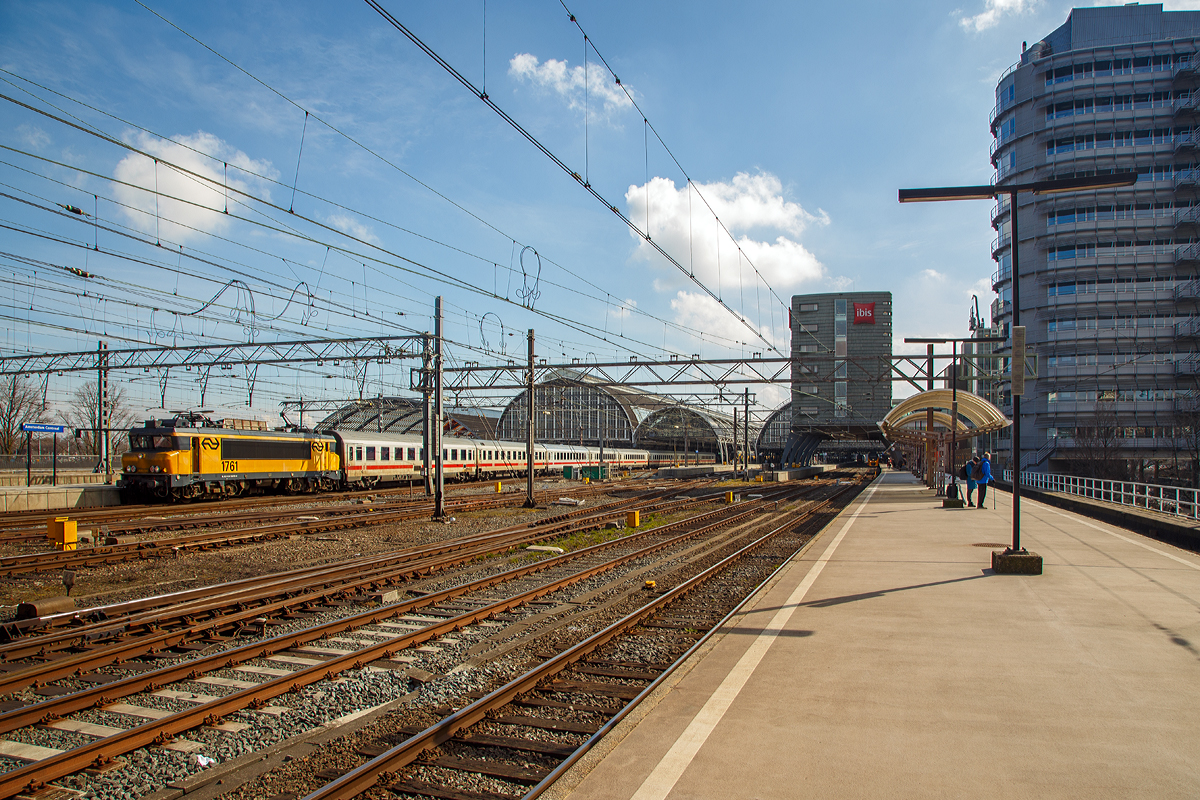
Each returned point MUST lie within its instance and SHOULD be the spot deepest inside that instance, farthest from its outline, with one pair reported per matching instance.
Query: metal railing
(1173, 500)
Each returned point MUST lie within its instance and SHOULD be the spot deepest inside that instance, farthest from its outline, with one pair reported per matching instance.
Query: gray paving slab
(908, 669)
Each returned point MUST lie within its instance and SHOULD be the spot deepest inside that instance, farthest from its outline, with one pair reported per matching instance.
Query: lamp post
(937, 194)
(953, 389)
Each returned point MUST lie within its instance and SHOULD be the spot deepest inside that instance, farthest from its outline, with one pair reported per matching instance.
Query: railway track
(322, 521)
(258, 674)
(19, 525)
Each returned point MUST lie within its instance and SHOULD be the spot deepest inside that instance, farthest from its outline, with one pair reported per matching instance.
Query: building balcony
(1000, 209)
(1187, 216)
(1185, 178)
(1188, 329)
(1188, 366)
(1187, 254)
(1187, 291)
(1000, 243)
(1000, 276)
(1186, 105)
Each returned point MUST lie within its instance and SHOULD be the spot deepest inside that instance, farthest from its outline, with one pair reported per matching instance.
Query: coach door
(196, 456)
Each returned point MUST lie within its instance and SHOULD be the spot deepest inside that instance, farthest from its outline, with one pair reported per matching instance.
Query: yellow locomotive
(191, 457)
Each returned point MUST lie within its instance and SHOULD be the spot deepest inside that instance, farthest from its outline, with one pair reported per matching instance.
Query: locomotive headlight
(131, 468)
(155, 468)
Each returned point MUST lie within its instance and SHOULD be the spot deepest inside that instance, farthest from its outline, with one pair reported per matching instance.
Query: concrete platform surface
(887, 661)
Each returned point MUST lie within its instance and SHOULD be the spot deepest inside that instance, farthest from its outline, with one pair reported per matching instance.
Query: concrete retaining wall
(782, 475)
(52, 498)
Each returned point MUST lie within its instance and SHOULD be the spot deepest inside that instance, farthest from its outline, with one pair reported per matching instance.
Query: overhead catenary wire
(558, 162)
(96, 131)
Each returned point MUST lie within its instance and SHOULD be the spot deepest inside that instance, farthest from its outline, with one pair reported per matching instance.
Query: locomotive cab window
(154, 443)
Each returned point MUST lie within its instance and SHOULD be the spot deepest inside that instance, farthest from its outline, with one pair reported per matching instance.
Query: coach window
(454, 454)
(370, 454)
(445, 454)
(359, 456)
(412, 454)
(385, 453)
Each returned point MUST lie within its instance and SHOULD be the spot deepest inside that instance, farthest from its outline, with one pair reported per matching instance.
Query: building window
(808, 348)
(808, 328)
(808, 306)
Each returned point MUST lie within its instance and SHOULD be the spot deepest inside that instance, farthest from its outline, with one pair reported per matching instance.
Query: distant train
(190, 458)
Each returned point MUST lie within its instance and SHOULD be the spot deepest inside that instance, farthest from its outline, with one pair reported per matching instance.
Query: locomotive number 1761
(228, 466)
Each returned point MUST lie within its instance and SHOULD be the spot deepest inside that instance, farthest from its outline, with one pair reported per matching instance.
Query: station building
(1109, 289)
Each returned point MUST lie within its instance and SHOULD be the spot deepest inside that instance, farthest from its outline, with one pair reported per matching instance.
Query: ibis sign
(864, 313)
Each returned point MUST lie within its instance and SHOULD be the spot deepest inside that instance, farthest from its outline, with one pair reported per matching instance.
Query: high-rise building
(841, 373)
(1109, 291)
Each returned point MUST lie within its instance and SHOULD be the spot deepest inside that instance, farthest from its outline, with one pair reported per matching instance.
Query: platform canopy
(976, 416)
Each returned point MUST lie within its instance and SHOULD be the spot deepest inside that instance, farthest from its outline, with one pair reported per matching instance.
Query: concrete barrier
(694, 471)
(52, 498)
(783, 475)
(43, 477)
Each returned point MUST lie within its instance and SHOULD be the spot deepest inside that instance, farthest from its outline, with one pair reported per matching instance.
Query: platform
(888, 661)
(50, 498)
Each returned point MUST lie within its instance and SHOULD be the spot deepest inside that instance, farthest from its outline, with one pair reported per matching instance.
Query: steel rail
(100, 752)
(365, 776)
(54, 708)
(158, 548)
(154, 640)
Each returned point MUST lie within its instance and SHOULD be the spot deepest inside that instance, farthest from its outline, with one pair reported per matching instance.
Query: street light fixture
(1114, 180)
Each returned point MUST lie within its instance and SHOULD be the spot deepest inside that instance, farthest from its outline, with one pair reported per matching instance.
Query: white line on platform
(1142, 545)
(662, 780)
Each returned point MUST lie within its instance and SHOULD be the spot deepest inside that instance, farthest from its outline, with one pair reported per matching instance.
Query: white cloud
(932, 274)
(699, 311)
(173, 220)
(33, 136)
(623, 309)
(994, 10)
(604, 98)
(749, 204)
(347, 224)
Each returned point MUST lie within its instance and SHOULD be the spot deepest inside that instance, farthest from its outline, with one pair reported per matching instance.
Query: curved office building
(1109, 292)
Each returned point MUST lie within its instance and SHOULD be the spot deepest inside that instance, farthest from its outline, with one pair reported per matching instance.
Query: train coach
(190, 457)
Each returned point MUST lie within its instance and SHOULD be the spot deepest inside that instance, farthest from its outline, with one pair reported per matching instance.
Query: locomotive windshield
(145, 442)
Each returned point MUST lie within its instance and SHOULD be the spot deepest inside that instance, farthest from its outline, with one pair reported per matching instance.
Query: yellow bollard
(633, 519)
(498, 487)
(729, 497)
(587, 480)
(758, 479)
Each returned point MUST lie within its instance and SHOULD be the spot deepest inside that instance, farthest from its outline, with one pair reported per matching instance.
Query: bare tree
(20, 402)
(81, 414)
(1098, 444)
(1187, 435)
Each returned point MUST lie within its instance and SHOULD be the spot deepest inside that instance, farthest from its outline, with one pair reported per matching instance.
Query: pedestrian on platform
(985, 477)
(968, 473)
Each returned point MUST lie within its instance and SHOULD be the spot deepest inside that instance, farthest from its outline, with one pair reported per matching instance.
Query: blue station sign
(37, 427)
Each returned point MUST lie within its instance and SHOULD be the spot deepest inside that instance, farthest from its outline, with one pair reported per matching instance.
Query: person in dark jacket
(969, 473)
(985, 477)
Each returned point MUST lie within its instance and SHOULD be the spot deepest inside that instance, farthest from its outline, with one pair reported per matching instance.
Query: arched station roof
(775, 431)
(686, 429)
(976, 416)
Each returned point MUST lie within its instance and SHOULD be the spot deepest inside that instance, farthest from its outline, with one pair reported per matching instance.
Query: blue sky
(797, 122)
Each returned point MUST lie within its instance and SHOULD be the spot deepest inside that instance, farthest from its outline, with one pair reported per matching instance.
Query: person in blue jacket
(985, 477)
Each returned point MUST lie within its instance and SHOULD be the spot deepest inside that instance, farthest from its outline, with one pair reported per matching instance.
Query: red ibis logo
(864, 313)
